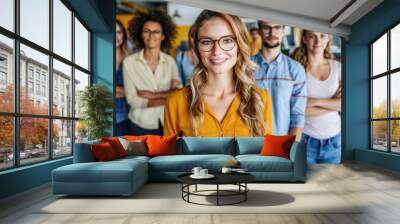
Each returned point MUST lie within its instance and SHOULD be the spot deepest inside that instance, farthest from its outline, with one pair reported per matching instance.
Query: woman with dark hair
(322, 125)
(150, 74)
(223, 98)
(122, 108)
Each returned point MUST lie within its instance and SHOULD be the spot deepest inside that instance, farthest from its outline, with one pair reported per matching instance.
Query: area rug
(167, 198)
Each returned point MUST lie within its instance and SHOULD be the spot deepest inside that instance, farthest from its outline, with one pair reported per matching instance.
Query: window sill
(26, 167)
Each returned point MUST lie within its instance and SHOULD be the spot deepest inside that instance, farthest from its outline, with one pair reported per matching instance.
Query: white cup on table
(203, 172)
(196, 171)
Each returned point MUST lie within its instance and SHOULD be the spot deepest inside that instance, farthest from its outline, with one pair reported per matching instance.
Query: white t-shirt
(326, 125)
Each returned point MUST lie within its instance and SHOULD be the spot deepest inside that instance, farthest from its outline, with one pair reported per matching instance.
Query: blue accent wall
(24, 178)
(99, 16)
(103, 61)
(356, 96)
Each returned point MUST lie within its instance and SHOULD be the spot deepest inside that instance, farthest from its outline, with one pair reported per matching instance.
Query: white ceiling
(320, 9)
(308, 14)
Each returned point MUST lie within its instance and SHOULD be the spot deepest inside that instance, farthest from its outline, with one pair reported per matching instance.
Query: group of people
(227, 91)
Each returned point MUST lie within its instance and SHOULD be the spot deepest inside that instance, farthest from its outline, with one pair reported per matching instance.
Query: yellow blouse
(177, 118)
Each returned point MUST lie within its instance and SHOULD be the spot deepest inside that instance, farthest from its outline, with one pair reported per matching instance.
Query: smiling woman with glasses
(222, 99)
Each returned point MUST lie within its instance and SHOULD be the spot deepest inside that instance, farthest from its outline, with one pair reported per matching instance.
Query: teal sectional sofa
(125, 176)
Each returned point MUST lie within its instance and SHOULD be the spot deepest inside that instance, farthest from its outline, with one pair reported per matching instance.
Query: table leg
(217, 194)
(196, 188)
(245, 193)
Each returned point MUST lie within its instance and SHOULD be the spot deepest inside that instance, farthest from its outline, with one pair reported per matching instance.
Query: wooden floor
(377, 188)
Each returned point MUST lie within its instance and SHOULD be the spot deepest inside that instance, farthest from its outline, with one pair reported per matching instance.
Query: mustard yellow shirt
(177, 118)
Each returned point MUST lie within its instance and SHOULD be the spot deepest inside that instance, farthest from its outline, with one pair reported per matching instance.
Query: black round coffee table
(238, 179)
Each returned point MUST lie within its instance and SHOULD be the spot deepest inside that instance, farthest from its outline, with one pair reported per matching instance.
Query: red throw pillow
(161, 145)
(116, 145)
(277, 145)
(103, 151)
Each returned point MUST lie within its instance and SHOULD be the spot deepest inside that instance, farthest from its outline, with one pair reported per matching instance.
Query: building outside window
(3, 78)
(3, 71)
(30, 87)
(43, 78)
(30, 72)
(38, 89)
(43, 90)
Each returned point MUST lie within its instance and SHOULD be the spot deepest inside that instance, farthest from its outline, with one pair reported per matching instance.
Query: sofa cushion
(111, 171)
(103, 152)
(83, 152)
(249, 145)
(117, 146)
(257, 163)
(135, 147)
(185, 163)
(206, 145)
(277, 145)
(161, 145)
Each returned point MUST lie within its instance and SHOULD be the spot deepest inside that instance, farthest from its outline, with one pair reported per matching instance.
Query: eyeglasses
(150, 32)
(225, 43)
(267, 29)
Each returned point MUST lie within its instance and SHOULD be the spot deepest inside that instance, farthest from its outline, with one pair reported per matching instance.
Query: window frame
(388, 74)
(16, 115)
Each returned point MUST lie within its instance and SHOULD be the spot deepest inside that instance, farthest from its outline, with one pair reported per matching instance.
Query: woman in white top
(322, 126)
(150, 74)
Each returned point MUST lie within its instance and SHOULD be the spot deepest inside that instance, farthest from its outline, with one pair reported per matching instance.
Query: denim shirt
(185, 67)
(285, 79)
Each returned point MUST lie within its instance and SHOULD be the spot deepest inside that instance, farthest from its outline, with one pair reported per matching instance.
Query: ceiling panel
(320, 9)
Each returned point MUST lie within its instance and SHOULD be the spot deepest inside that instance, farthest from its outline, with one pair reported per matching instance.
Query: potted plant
(97, 103)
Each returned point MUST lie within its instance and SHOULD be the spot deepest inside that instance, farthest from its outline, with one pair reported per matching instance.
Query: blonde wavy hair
(251, 105)
(300, 54)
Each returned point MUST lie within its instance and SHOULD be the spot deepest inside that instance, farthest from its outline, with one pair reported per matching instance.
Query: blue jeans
(135, 129)
(122, 128)
(323, 150)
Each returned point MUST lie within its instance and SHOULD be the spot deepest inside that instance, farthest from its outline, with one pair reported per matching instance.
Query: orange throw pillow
(116, 145)
(134, 137)
(277, 145)
(161, 145)
(103, 152)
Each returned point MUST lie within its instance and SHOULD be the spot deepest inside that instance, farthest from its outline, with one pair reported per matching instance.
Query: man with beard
(284, 78)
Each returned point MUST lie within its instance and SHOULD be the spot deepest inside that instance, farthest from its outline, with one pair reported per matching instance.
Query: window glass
(395, 47)
(62, 138)
(34, 144)
(6, 74)
(395, 95)
(62, 29)
(39, 62)
(62, 91)
(379, 97)
(6, 142)
(7, 14)
(395, 136)
(81, 81)
(81, 131)
(34, 21)
(379, 135)
(81, 45)
(379, 56)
